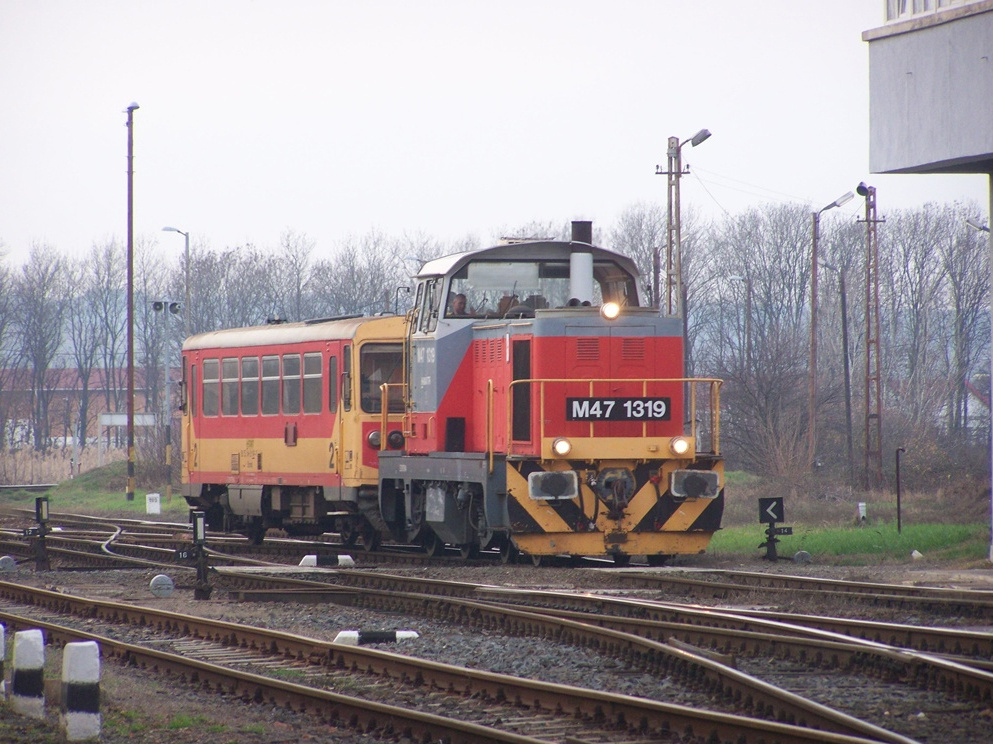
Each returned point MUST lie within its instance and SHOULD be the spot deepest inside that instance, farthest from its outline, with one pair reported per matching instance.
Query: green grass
(102, 489)
(859, 545)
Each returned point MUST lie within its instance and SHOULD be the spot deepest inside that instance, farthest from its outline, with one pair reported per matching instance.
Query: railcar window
(332, 384)
(249, 386)
(270, 385)
(229, 387)
(184, 387)
(346, 378)
(193, 390)
(291, 383)
(381, 363)
(312, 383)
(211, 381)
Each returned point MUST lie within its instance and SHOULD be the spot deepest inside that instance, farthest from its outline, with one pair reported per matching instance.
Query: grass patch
(183, 721)
(96, 491)
(855, 545)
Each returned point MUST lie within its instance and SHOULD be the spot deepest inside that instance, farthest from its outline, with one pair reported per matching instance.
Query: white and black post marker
(365, 637)
(80, 711)
(27, 682)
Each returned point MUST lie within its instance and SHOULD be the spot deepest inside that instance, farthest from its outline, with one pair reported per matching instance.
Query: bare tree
(85, 329)
(10, 348)
(41, 304)
(966, 262)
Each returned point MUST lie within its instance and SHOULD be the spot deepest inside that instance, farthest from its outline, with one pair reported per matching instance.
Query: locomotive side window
(229, 387)
(211, 381)
(312, 383)
(270, 385)
(332, 384)
(381, 363)
(291, 383)
(430, 304)
(249, 386)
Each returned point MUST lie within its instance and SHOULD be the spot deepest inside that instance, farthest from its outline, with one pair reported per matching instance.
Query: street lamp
(186, 314)
(166, 307)
(812, 391)
(673, 238)
(977, 225)
(129, 495)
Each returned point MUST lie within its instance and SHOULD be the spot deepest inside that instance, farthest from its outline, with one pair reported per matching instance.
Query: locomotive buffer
(771, 512)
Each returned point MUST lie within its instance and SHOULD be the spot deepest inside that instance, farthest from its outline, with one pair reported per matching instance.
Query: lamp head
(132, 106)
(700, 137)
(862, 189)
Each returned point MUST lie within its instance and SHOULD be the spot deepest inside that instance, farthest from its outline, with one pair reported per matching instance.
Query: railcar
(527, 402)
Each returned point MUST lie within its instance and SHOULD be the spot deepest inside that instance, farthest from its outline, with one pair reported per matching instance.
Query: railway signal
(772, 511)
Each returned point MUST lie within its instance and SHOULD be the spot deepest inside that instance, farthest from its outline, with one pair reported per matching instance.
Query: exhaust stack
(581, 263)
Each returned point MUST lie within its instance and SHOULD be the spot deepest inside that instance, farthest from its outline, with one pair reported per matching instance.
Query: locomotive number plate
(617, 409)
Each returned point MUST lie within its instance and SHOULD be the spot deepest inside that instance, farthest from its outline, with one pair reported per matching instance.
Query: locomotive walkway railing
(692, 424)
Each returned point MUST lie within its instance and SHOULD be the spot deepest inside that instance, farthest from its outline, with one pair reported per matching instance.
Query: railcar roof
(531, 251)
(288, 333)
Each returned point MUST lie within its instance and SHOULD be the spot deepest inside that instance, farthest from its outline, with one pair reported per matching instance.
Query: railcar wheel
(349, 534)
(658, 560)
(256, 532)
(370, 538)
(621, 559)
(469, 550)
(540, 560)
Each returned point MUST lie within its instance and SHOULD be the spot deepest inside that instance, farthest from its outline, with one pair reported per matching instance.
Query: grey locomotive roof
(517, 251)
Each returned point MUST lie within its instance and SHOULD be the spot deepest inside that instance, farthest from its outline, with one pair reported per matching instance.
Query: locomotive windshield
(491, 288)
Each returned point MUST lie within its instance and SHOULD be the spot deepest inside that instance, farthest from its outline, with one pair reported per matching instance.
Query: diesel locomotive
(527, 403)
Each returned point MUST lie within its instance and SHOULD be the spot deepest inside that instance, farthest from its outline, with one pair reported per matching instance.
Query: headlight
(374, 439)
(610, 310)
(394, 440)
(561, 446)
(679, 446)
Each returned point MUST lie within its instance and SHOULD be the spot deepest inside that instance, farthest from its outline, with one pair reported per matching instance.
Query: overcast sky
(445, 118)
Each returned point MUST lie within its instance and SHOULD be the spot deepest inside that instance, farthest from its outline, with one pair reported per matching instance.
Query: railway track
(484, 707)
(955, 663)
(724, 584)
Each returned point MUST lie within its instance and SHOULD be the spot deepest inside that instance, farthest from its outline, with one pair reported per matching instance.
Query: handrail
(714, 384)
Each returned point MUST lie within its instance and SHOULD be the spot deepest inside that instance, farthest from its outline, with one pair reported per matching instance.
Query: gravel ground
(140, 707)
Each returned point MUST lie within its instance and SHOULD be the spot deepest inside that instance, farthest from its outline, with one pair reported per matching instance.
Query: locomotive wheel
(620, 559)
(657, 560)
(540, 560)
(433, 545)
(508, 553)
